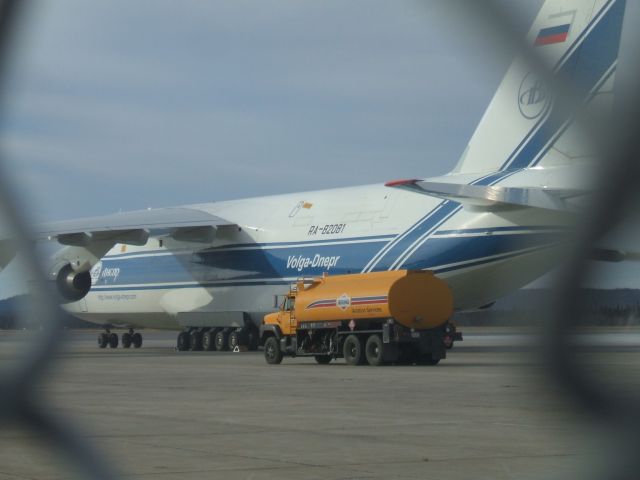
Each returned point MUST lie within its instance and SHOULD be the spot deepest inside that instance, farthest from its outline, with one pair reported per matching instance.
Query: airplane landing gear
(108, 338)
(184, 341)
(217, 338)
(126, 339)
(131, 338)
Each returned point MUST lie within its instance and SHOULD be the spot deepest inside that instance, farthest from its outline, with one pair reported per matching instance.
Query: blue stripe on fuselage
(218, 267)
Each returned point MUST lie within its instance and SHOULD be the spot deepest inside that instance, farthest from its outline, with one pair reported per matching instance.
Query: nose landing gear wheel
(136, 339)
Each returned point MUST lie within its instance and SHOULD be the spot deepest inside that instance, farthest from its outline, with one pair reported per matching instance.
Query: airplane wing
(87, 240)
(133, 227)
(495, 197)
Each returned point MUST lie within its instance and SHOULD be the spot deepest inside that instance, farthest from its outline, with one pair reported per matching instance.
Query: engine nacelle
(71, 285)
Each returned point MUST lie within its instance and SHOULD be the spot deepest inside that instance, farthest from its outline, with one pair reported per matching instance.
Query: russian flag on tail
(551, 35)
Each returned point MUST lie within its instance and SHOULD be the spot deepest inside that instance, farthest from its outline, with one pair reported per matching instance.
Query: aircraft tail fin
(520, 128)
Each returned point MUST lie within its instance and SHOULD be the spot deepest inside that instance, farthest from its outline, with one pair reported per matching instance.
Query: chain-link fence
(612, 204)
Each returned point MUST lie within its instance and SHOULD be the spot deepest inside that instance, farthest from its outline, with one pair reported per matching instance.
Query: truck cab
(285, 318)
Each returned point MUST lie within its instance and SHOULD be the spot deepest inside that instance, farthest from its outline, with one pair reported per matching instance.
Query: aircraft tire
(235, 339)
(222, 341)
(126, 340)
(352, 350)
(113, 340)
(272, 351)
(195, 343)
(183, 341)
(103, 340)
(136, 339)
(374, 350)
(208, 341)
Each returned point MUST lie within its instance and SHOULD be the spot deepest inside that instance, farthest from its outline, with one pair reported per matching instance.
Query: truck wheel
(221, 341)
(272, 352)
(374, 350)
(352, 350)
(208, 340)
(323, 359)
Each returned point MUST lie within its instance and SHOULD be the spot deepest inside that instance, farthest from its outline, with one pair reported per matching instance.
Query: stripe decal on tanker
(332, 302)
(537, 142)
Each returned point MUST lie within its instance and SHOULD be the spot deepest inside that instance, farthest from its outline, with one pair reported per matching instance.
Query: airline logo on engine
(98, 273)
(95, 273)
(300, 262)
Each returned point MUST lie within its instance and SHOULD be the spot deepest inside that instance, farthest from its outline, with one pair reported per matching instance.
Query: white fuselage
(281, 238)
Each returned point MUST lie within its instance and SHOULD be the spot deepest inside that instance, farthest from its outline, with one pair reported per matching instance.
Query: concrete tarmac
(486, 412)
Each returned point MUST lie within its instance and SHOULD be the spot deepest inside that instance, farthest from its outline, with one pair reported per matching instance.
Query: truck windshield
(289, 303)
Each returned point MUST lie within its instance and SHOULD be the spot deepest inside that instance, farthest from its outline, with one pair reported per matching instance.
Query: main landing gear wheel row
(131, 338)
(220, 339)
(108, 339)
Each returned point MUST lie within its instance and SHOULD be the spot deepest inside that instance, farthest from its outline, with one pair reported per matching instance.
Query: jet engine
(71, 285)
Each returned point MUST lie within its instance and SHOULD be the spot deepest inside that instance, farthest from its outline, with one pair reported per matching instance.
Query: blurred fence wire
(613, 200)
(614, 136)
(19, 401)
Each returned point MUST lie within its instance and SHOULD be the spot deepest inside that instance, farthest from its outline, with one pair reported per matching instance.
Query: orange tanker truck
(381, 317)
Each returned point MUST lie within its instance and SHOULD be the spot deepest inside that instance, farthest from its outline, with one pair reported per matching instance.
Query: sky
(119, 105)
(123, 105)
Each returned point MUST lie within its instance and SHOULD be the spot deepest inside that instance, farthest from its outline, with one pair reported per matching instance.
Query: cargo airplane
(495, 223)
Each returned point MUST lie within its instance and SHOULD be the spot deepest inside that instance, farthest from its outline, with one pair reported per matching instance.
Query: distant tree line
(591, 315)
